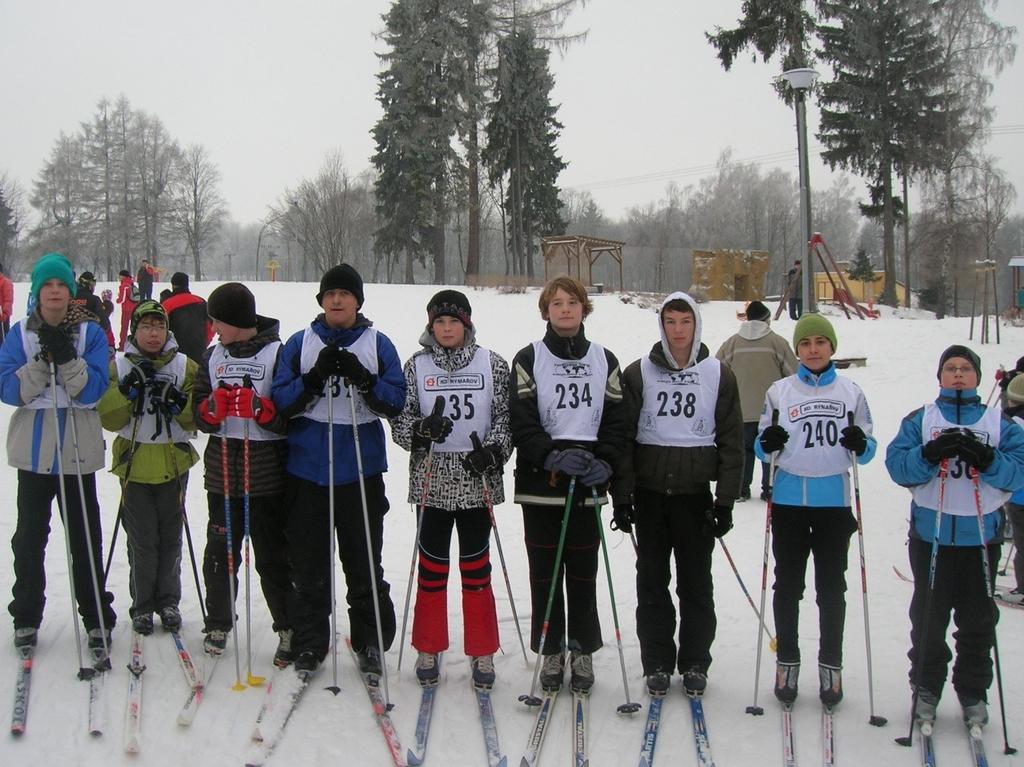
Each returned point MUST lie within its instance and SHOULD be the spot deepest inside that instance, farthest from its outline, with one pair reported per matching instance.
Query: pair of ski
(828, 736)
(133, 705)
(417, 754)
(974, 739)
(580, 715)
(701, 740)
(23, 684)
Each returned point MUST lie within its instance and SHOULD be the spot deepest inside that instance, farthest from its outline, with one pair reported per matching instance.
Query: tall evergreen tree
(521, 134)
(770, 27)
(883, 112)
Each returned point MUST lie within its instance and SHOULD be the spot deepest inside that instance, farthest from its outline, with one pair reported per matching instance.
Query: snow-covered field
(902, 352)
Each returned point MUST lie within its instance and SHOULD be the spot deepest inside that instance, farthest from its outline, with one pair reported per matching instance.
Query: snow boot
(483, 671)
(369, 661)
(170, 618)
(786, 677)
(26, 637)
(695, 681)
(582, 677)
(975, 708)
(143, 624)
(831, 684)
(552, 672)
(306, 664)
(927, 703)
(427, 668)
(283, 656)
(658, 683)
(215, 641)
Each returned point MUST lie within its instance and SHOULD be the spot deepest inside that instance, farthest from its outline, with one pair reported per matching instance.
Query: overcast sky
(269, 87)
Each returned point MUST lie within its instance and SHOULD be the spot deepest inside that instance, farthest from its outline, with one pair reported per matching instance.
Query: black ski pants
(672, 528)
(267, 529)
(35, 498)
(797, 533)
(152, 517)
(310, 557)
(959, 591)
(574, 624)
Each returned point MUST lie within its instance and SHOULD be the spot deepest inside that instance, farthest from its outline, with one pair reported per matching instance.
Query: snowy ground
(902, 351)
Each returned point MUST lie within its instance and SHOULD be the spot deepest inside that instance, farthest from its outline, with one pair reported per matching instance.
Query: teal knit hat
(814, 325)
(50, 266)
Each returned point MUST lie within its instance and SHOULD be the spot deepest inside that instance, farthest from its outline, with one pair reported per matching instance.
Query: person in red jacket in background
(128, 297)
(6, 303)
(186, 313)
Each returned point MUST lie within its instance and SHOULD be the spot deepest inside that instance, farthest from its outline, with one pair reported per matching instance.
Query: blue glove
(597, 474)
(574, 461)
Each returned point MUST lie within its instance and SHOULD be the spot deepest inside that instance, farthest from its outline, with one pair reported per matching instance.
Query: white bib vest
(570, 393)
(30, 343)
(365, 348)
(679, 405)
(233, 370)
(152, 428)
(468, 394)
(815, 423)
(959, 494)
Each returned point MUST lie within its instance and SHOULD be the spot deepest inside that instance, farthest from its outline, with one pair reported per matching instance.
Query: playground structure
(576, 249)
(841, 294)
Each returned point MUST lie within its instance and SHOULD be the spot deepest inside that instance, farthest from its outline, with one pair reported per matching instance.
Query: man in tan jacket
(759, 357)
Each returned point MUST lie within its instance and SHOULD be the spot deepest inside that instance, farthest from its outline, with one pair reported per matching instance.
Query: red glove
(246, 403)
(215, 408)
(1000, 374)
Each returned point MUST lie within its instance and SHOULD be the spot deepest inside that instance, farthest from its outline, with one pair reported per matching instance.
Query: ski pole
(989, 579)
(772, 642)
(629, 707)
(427, 475)
(531, 699)
(995, 386)
(475, 439)
(877, 721)
(84, 672)
(755, 709)
(369, 547)
(331, 534)
(231, 554)
(124, 483)
(1009, 558)
(184, 517)
(932, 566)
(250, 678)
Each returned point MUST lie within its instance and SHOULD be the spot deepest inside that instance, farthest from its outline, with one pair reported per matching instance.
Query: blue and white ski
(193, 679)
(540, 724)
(651, 731)
(483, 703)
(700, 732)
(580, 711)
(977, 745)
(927, 745)
(418, 752)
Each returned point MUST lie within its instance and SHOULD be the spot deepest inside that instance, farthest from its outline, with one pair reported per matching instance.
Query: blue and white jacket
(908, 468)
(828, 398)
(307, 437)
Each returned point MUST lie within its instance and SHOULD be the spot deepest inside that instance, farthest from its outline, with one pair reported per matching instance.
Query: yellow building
(729, 275)
(862, 292)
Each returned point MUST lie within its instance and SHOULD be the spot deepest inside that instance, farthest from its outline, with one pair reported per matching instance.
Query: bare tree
(197, 207)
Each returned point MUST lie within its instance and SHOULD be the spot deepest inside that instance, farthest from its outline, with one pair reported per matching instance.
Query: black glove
(169, 398)
(352, 369)
(976, 453)
(719, 520)
(478, 461)
(574, 461)
(326, 364)
(946, 445)
(56, 342)
(773, 438)
(622, 518)
(597, 474)
(433, 428)
(135, 380)
(854, 439)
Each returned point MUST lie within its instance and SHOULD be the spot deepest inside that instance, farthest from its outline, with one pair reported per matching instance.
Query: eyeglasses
(954, 369)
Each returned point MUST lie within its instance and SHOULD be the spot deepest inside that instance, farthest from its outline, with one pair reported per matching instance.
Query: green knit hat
(50, 266)
(145, 309)
(814, 325)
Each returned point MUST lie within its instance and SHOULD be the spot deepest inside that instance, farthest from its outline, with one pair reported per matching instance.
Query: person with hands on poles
(686, 431)
(568, 426)
(150, 386)
(813, 446)
(247, 351)
(65, 346)
(339, 365)
(960, 460)
(471, 383)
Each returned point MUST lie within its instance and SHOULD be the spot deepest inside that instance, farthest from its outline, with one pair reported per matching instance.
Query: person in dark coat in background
(85, 298)
(186, 313)
(796, 296)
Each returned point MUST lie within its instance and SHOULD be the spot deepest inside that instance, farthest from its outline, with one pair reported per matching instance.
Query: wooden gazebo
(575, 249)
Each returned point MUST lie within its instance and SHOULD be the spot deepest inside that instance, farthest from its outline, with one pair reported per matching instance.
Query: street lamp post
(800, 80)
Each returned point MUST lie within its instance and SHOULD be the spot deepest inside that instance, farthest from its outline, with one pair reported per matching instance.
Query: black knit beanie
(233, 304)
(758, 311)
(179, 280)
(450, 303)
(956, 350)
(341, 277)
